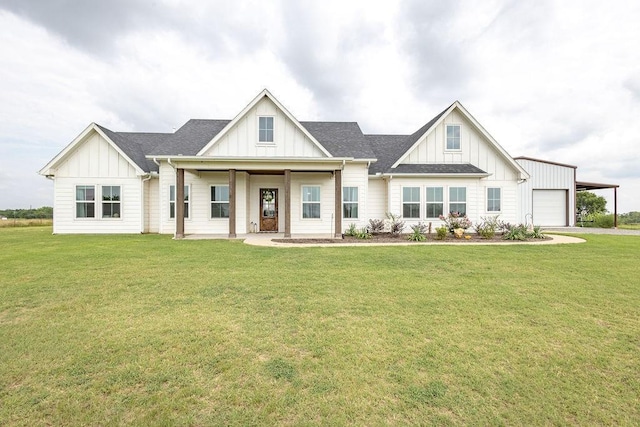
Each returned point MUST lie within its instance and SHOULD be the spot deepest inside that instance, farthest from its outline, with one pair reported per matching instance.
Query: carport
(588, 186)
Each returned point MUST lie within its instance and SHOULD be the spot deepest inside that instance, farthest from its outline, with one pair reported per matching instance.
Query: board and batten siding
(96, 162)
(546, 176)
(474, 149)
(242, 139)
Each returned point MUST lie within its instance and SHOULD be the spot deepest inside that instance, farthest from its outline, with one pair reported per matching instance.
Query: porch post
(287, 203)
(338, 204)
(232, 203)
(615, 207)
(179, 203)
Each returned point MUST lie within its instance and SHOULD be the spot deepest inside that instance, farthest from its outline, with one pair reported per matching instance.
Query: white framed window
(219, 201)
(458, 200)
(494, 199)
(453, 137)
(265, 129)
(85, 201)
(310, 201)
(435, 202)
(111, 201)
(350, 202)
(172, 201)
(411, 202)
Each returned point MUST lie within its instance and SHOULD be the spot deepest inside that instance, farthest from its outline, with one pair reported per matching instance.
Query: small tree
(590, 203)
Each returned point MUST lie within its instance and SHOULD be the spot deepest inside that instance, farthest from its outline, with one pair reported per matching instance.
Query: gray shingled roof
(190, 138)
(438, 168)
(136, 145)
(341, 139)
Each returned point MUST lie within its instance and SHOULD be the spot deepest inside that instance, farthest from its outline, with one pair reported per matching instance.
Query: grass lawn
(145, 330)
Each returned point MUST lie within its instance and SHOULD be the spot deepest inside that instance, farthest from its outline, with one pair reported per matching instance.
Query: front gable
(474, 147)
(240, 138)
(92, 154)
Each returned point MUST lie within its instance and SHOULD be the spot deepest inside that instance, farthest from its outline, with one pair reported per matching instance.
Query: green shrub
(487, 227)
(603, 220)
(363, 233)
(418, 233)
(351, 231)
(441, 232)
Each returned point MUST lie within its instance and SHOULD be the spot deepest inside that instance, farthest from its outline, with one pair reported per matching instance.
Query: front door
(268, 209)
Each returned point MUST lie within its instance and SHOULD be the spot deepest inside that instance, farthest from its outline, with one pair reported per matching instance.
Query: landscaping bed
(404, 238)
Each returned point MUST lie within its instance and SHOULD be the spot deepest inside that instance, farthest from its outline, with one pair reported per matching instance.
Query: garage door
(550, 207)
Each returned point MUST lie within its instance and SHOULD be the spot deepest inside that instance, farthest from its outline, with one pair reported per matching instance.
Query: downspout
(389, 194)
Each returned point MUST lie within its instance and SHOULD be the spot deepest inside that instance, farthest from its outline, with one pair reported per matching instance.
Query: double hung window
(265, 129)
(220, 201)
(111, 201)
(493, 199)
(85, 201)
(310, 201)
(350, 202)
(458, 200)
(435, 202)
(172, 201)
(411, 202)
(453, 137)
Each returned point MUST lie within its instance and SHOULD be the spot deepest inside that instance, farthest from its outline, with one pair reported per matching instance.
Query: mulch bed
(403, 238)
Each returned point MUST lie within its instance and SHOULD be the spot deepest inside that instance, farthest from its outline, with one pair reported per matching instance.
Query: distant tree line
(629, 218)
(44, 212)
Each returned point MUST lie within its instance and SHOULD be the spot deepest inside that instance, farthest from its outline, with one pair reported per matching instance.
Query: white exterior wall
(199, 220)
(377, 204)
(95, 162)
(356, 175)
(152, 202)
(322, 225)
(546, 176)
(242, 139)
(474, 149)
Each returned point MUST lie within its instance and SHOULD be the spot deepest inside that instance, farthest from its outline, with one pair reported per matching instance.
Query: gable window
(110, 201)
(172, 201)
(220, 201)
(85, 201)
(350, 202)
(493, 199)
(435, 202)
(411, 202)
(458, 200)
(310, 201)
(265, 129)
(453, 137)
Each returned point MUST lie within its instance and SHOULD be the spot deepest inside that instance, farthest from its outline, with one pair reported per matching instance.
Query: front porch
(305, 199)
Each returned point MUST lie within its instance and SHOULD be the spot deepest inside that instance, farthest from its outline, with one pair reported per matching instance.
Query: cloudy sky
(557, 80)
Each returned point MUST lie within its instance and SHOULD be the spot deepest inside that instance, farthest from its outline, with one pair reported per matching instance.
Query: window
(220, 201)
(265, 129)
(85, 201)
(110, 201)
(493, 200)
(311, 201)
(435, 202)
(411, 202)
(350, 202)
(453, 137)
(172, 201)
(458, 200)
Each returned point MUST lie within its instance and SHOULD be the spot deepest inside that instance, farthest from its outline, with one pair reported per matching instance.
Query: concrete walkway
(258, 239)
(590, 230)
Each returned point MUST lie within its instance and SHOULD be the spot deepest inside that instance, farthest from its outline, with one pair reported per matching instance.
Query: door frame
(276, 218)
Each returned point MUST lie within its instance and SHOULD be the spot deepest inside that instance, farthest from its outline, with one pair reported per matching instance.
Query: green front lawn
(145, 330)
